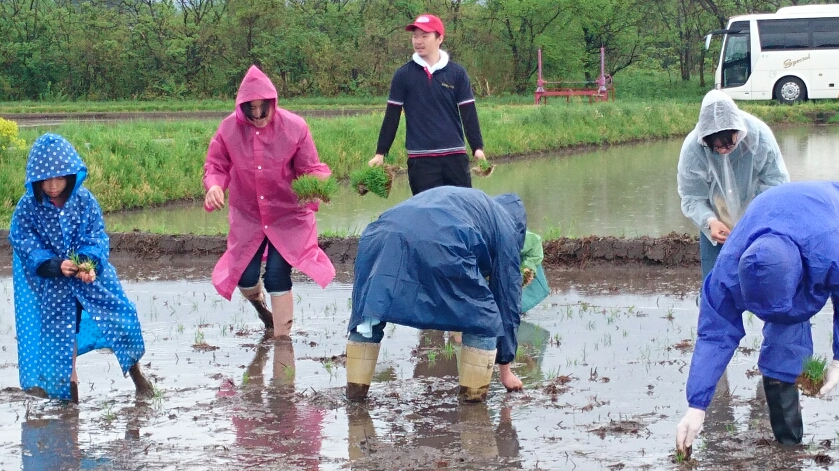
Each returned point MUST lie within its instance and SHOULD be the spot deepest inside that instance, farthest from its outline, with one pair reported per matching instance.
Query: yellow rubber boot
(475, 373)
(361, 363)
(282, 310)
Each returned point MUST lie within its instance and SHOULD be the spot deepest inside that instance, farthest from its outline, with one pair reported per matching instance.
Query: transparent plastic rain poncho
(722, 185)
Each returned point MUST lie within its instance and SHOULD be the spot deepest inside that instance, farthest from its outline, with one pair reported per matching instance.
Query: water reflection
(271, 423)
(627, 190)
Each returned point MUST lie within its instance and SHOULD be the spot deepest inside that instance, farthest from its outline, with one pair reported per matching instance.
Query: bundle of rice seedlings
(310, 188)
(377, 180)
(483, 169)
(527, 276)
(811, 379)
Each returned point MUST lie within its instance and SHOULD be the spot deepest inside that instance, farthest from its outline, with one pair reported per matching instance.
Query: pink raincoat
(257, 166)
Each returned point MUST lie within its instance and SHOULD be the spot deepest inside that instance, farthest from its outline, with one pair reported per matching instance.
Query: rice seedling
(483, 168)
(814, 368)
(85, 265)
(377, 180)
(527, 275)
(310, 188)
(448, 351)
(812, 377)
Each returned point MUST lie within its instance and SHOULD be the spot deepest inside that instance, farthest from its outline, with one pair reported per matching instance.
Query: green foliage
(58, 52)
(309, 188)
(9, 135)
(814, 368)
(377, 180)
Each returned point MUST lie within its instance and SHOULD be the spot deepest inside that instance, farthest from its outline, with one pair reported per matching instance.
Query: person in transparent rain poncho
(727, 160)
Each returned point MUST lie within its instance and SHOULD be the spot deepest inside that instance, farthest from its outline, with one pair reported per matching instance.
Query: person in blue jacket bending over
(781, 263)
(446, 259)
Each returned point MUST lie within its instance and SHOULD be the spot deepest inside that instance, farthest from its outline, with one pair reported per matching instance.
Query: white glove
(831, 378)
(689, 428)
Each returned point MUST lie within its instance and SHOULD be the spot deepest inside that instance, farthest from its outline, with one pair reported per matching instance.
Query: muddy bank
(673, 250)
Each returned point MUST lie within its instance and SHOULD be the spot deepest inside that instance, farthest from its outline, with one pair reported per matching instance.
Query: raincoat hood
(770, 272)
(53, 156)
(255, 86)
(719, 113)
(515, 208)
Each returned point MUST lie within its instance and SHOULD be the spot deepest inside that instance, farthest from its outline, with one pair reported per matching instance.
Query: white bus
(790, 56)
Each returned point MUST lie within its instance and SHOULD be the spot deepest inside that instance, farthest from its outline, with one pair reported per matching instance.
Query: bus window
(736, 63)
(825, 33)
(784, 34)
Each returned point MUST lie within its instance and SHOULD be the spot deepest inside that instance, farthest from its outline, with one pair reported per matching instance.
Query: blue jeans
(469, 340)
(708, 254)
(277, 275)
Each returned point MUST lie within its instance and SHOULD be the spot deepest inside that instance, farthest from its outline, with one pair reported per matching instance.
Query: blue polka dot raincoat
(45, 307)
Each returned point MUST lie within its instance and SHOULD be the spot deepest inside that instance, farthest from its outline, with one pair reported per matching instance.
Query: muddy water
(604, 360)
(627, 190)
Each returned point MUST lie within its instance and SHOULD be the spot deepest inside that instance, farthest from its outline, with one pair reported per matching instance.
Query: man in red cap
(439, 106)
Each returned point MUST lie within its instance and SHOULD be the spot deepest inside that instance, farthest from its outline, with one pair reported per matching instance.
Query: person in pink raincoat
(255, 155)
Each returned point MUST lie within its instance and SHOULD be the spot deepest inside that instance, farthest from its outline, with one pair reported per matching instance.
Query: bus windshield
(736, 63)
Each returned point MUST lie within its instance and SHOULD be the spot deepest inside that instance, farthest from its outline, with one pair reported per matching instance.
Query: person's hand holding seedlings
(831, 378)
(68, 268)
(689, 428)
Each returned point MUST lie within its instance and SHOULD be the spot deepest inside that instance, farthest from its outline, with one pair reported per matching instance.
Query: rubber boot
(141, 383)
(361, 363)
(784, 411)
(257, 300)
(475, 373)
(282, 309)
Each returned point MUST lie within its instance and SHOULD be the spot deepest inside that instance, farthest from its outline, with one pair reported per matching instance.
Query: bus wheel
(790, 90)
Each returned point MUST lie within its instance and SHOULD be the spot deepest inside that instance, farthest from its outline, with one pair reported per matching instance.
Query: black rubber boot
(784, 411)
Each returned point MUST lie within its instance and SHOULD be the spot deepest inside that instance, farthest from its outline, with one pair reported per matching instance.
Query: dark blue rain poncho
(781, 262)
(445, 259)
(45, 307)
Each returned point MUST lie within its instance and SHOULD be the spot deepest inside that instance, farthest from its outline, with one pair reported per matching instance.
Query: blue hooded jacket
(45, 307)
(445, 259)
(781, 262)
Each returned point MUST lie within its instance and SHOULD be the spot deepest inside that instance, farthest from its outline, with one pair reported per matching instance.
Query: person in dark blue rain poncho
(445, 259)
(68, 299)
(781, 262)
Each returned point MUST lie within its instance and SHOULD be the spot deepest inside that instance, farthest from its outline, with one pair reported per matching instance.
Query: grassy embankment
(146, 163)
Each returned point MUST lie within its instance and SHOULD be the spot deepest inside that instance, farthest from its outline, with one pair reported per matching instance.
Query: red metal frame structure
(598, 90)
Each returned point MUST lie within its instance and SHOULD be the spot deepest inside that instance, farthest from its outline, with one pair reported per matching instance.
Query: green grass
(141, 164)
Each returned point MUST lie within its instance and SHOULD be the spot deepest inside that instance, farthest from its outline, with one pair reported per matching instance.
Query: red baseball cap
(427, 23)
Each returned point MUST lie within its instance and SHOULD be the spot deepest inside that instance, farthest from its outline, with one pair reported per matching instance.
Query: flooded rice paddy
(604, 360)
(628, 190)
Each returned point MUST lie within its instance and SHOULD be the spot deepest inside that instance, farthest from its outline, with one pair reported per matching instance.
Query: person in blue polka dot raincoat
(68, 299)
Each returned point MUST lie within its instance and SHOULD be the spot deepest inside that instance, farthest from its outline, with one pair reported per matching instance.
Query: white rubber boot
(475, 373)
(282, 309)
(361, 363)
